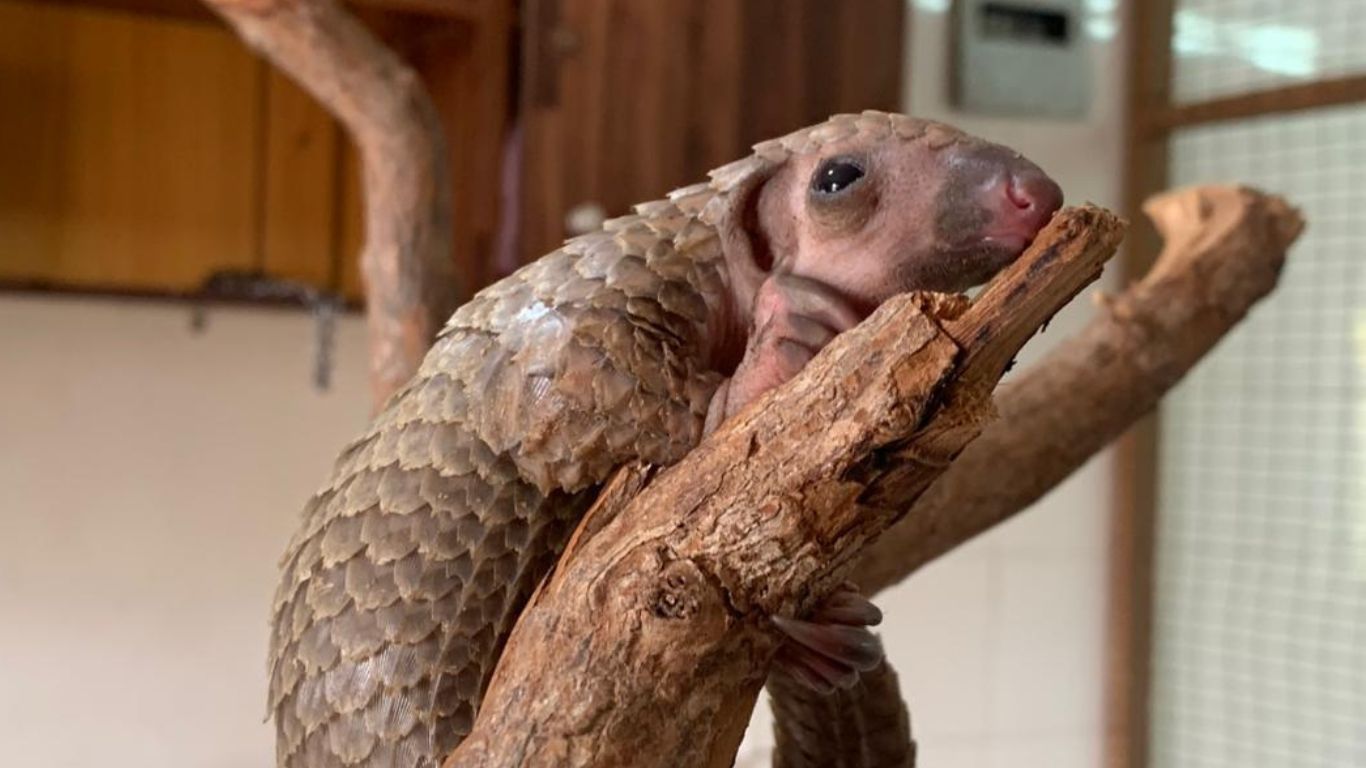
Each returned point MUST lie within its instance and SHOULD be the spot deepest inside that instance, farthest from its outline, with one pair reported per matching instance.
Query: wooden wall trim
(1130, 603)
(195, 10)
(194, 300)
(1153, 118)
(1291, 98)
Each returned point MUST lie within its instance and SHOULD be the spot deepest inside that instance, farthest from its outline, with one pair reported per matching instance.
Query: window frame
(1153, 118)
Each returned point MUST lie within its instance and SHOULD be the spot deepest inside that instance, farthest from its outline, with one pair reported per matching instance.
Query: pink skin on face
(830, 236)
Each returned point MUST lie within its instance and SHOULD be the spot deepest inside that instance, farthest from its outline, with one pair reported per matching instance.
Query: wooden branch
(406, 259)
(1224, 251)
(649, 642)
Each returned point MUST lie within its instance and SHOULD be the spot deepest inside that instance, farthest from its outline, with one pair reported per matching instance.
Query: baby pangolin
(413, 561)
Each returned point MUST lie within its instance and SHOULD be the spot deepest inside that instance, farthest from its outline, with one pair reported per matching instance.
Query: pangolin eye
(836, 176)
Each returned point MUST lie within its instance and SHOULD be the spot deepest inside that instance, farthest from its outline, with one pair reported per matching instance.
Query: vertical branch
(406, 259)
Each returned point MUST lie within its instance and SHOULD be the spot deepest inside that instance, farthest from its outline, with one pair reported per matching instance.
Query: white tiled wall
(999, 644)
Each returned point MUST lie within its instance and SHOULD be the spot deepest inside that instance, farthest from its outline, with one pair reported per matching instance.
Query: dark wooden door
(623, 100)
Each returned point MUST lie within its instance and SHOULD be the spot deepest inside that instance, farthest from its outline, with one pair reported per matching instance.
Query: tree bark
(649, 642)
(406, 260)
(1224, 248)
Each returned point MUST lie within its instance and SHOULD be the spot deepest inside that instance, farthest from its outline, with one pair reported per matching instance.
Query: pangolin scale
(413, 562)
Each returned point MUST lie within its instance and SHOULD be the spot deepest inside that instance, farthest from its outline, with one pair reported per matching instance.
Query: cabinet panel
(142, 153)
(623, 100)
(103, 185)
(299, 203)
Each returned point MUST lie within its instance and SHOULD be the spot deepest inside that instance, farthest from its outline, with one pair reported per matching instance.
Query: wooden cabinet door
(146, 148)
(623, 100)
(126, 149)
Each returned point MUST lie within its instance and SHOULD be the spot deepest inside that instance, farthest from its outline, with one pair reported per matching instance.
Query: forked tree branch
(1224, 250)
(648, 643)
(406, 260)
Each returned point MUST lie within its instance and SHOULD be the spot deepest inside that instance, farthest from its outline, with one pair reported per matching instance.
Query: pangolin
(412, 562)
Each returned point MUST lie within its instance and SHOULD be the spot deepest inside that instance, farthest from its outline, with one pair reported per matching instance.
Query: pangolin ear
(737, 216)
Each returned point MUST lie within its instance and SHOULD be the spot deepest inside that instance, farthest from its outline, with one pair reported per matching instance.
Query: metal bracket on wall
(239, 286)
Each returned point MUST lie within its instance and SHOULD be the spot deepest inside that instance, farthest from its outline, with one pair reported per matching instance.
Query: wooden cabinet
(128, 149)
(145, 148)
(624, 100)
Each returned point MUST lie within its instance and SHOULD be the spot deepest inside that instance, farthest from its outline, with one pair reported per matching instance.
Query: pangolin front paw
(829, 649)
(794, 318)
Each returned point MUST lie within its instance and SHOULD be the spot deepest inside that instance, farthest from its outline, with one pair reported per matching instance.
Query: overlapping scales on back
(412, 563)
(870, 123)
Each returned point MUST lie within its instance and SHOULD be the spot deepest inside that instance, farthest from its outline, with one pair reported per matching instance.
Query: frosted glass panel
(1226, 47)
(1260, 616)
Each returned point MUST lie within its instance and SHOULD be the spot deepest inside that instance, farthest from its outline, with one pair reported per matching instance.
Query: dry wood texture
(406, 259)
(1225, 248)
(1224, 251)
(649, 642)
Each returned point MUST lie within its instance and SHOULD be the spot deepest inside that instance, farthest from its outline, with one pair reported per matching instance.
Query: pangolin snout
(1019, 202)
(1034, 198)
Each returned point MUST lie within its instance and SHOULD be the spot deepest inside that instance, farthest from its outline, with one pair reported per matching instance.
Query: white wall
(149, 480)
